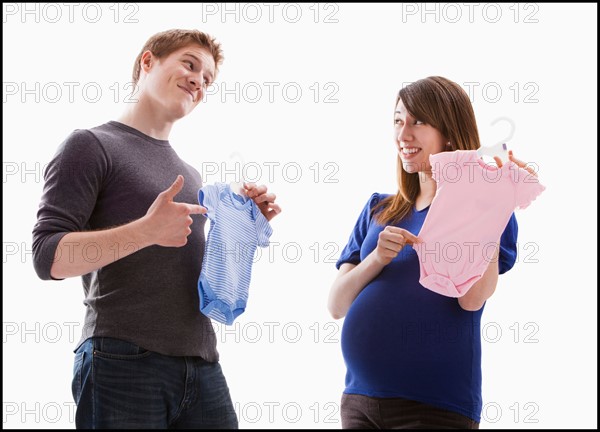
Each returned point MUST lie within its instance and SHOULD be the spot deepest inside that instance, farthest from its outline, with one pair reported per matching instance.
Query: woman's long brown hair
(440, 103)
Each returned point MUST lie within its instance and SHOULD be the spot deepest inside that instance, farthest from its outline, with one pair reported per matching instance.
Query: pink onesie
(467, 216)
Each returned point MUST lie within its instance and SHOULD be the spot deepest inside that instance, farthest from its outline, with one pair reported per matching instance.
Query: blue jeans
(117, 384)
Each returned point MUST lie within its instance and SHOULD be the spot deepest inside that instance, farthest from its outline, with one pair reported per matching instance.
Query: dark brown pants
(364, 412)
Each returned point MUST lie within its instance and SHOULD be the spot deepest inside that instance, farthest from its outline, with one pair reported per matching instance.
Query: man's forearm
(79, 253)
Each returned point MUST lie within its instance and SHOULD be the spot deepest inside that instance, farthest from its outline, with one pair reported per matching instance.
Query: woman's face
(415, 140)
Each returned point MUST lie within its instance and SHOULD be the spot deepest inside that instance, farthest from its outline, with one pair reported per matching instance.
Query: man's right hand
(167, 223)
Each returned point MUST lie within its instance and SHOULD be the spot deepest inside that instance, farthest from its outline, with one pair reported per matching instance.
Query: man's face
(177, 82)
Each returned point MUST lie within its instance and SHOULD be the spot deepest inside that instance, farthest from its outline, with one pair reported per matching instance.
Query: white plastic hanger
(238, 187)
(500, 149)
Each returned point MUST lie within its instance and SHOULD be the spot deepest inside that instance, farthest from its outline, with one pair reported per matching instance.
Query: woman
(413, 356)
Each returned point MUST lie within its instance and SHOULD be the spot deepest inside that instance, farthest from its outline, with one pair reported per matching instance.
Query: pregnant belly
(378, 329)
(402, 336)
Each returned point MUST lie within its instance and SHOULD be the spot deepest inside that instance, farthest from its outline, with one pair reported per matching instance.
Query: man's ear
(147, 61)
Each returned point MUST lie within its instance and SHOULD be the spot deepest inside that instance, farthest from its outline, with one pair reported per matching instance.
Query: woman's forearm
(350, 282)
(482, 289)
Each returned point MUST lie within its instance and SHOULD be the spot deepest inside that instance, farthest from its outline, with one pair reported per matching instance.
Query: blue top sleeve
(508, 246)
(351, 252)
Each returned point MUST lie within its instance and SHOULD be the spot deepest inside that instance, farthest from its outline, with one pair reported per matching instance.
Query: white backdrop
(304, 103)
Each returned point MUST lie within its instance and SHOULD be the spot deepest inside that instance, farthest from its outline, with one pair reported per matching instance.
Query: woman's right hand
(352, 278)
(391, 241)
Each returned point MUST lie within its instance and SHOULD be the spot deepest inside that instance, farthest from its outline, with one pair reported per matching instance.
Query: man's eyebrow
(193, 56)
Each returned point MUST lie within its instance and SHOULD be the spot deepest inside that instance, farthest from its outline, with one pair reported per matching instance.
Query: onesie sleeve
(508, 246)
(351, 252)
(208, 196)
(439, 160)
(263, 229)
(527, 187)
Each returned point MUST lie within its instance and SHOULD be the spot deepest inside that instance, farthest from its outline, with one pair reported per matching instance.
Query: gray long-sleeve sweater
(105, 177)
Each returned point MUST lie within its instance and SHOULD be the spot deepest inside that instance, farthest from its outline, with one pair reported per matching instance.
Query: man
(120, 209)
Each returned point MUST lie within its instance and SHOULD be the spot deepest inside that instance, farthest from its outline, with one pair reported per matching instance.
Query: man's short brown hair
(164, 43)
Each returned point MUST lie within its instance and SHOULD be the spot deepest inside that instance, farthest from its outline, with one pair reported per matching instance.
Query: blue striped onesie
(237, 227)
